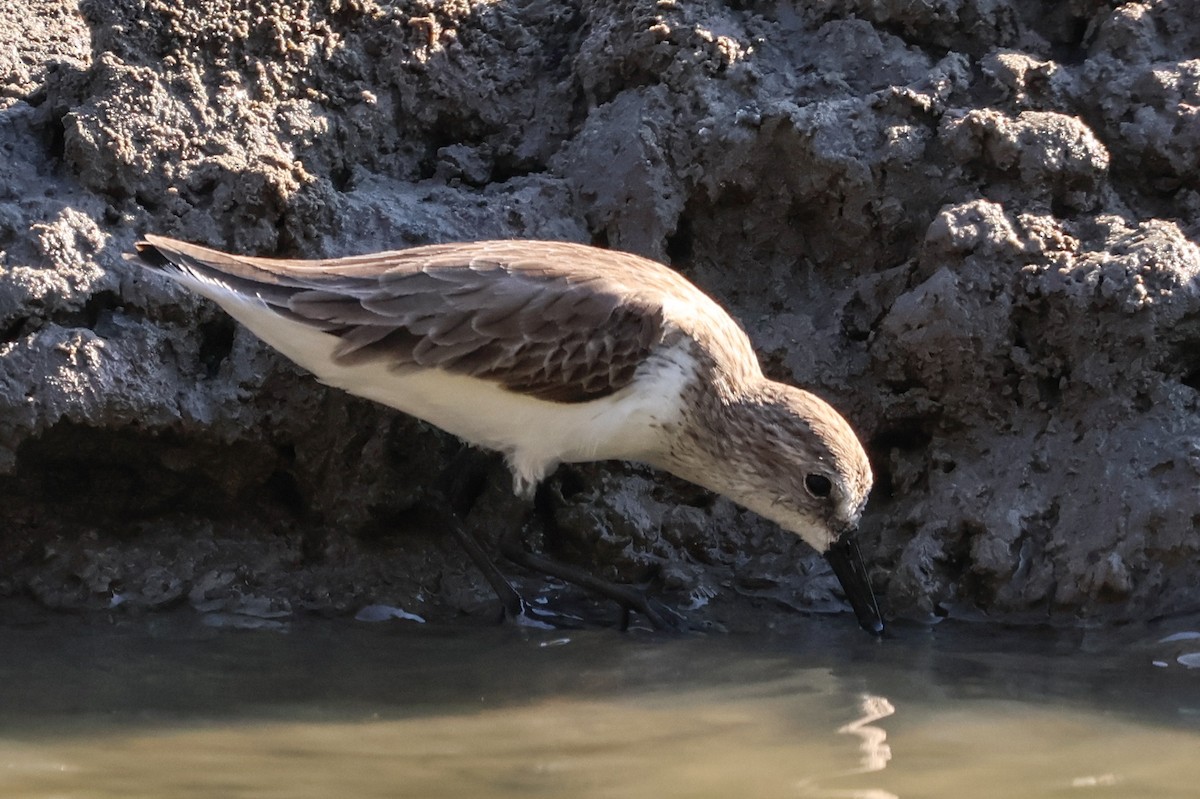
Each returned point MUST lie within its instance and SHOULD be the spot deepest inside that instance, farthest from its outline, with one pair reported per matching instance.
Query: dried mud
(971, 225)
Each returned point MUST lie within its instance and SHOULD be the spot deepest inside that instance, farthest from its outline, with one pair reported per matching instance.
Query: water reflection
(165, 707)
(875, 751)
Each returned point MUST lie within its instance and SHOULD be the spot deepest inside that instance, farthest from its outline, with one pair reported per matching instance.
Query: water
(164, 707)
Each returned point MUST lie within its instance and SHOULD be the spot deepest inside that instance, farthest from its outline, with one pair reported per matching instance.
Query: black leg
(458, 487)
(514, 605)
(628, 597)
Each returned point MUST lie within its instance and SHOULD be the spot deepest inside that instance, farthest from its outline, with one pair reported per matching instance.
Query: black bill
(848, 565)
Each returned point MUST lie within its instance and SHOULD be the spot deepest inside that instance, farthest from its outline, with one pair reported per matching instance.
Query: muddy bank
(970, 226)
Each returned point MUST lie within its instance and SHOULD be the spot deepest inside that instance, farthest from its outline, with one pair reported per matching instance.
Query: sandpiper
(551, 353)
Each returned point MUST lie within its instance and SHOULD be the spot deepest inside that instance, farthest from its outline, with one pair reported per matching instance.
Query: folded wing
(520, 314)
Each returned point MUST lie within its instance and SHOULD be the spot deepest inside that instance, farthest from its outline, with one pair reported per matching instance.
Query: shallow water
(165, 707)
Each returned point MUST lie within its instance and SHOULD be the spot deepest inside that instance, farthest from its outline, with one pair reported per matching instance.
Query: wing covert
(535, 335)
(555, 321)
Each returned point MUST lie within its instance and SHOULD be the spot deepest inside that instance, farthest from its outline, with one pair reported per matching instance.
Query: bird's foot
(458, 488)
(531, 617)
(659, 615)
(630, 598)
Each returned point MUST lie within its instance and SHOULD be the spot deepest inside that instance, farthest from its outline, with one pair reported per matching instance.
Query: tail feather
(212, 272)
(149, 255)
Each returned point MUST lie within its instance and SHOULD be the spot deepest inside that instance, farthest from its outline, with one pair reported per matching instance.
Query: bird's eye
(818, 485)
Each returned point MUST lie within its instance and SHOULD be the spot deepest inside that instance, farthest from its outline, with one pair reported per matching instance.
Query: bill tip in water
(847, 563)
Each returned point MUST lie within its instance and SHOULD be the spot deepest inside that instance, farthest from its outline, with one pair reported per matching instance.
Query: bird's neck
(716, 425)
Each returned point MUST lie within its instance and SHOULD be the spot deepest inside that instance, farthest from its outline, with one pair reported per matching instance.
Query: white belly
(535, 435)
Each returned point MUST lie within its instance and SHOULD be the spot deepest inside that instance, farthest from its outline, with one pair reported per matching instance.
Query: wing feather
(560, 322)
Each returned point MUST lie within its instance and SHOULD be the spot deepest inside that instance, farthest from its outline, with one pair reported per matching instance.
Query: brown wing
(551, 320)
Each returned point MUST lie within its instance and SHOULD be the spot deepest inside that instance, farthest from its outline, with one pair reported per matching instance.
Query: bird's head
(790, 457)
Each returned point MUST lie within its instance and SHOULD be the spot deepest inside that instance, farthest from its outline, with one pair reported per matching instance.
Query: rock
(972, 226)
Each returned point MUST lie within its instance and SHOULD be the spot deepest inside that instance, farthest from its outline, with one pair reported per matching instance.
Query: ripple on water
(380, 710)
